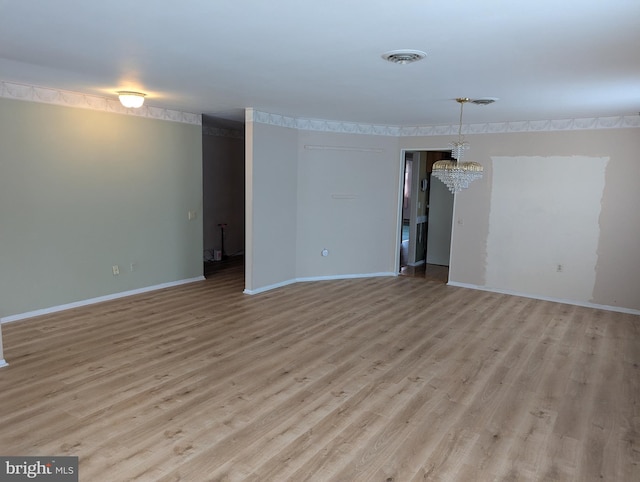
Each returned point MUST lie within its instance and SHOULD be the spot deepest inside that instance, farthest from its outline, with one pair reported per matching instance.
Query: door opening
(426, 220)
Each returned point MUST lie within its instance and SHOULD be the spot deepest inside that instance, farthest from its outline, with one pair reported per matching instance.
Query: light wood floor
(431, 272)
(379, 379)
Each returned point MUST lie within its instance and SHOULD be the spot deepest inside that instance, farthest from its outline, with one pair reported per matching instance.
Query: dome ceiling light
(131, 100)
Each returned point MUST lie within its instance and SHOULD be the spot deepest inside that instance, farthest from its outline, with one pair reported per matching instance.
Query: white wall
(271, 205)
(308, 191)
(347, 203)
(543, 225)
(81, 191)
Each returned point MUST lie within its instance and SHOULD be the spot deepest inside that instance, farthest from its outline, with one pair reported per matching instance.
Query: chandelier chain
(460, 137)
(457, 175)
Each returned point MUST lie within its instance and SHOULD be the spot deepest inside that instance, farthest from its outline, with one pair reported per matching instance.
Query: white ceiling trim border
(10, 90)
(617, 122)
(320, 124)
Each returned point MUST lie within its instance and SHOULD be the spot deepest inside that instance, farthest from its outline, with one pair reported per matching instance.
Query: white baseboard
(269, 287)
(316, 278)
(3, 363)
(346, 276)
(99, 299)
(619, 309)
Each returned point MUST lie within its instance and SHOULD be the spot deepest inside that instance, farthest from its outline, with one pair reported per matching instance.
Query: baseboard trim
(346, 276)
(585, 304)
(268, 287)
(3, 363)
(317, 278)
(99, 299)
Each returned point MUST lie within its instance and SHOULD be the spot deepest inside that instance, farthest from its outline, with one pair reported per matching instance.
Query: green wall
(81, 191)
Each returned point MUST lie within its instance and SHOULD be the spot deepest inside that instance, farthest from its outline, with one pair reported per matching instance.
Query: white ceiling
(544, 59)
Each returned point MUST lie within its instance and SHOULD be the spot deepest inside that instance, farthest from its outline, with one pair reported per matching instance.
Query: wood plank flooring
(377, 379)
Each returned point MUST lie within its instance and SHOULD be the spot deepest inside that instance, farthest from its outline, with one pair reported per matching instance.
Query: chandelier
(458, 175)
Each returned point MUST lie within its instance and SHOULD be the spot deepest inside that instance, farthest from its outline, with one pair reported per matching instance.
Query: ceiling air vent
(484, 100)
(404, 56)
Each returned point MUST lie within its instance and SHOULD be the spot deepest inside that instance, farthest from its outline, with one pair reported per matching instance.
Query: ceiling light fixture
(455, 174)
(404, 56)
(131, 100)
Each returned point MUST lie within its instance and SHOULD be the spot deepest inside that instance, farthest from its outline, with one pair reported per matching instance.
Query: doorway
(222, 194)
(426, 217)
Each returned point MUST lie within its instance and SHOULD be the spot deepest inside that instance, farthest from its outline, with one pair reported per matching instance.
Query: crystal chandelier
(455, 174)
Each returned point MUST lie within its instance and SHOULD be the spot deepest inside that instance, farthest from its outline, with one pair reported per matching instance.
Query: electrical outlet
(116, 270)
(132, 267)
(191, 215)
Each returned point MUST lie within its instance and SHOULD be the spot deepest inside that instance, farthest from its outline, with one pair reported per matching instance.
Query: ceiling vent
(484, 100)
(404, 56)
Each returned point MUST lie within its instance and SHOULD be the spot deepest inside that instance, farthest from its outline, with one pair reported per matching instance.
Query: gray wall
(82, 190)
